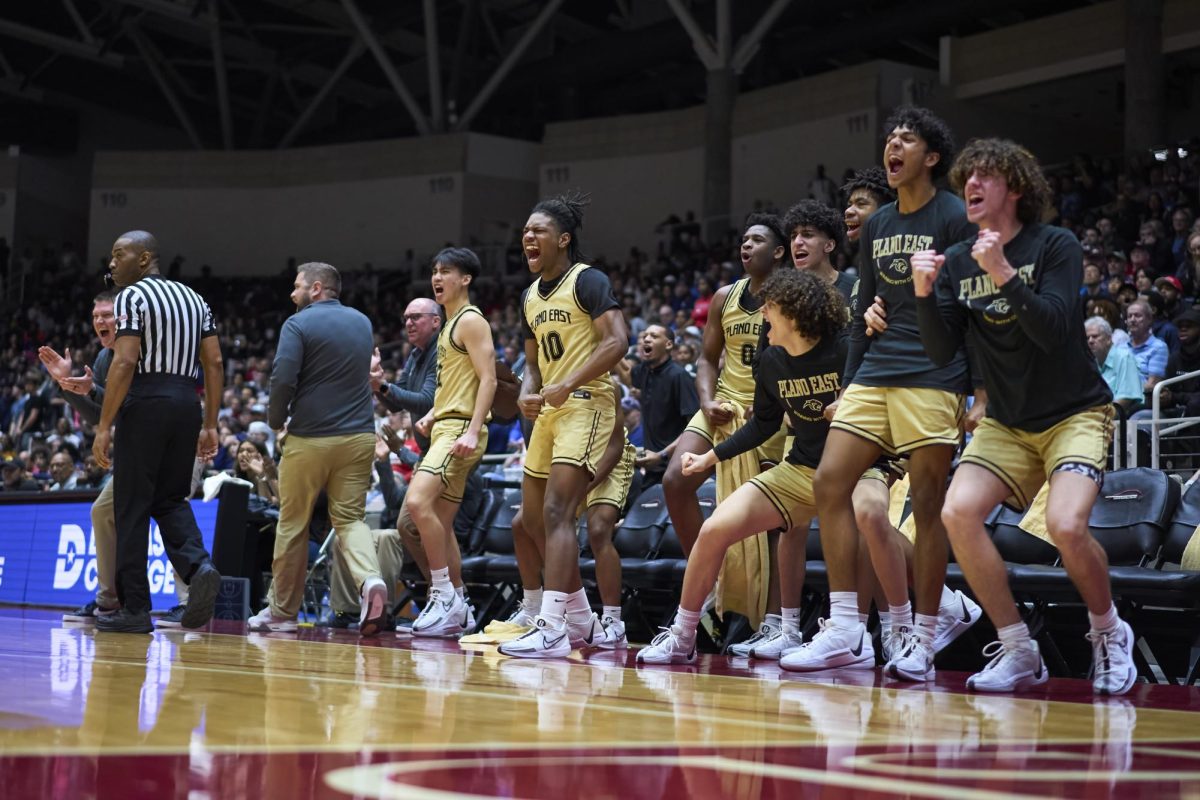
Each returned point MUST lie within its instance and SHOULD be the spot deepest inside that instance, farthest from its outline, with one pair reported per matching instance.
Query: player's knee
(1068, 528)
(871, 518)
(599, 539)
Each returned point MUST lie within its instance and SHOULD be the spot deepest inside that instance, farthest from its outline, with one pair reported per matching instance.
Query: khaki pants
(343, 597)
(341, 465)
(104, 529)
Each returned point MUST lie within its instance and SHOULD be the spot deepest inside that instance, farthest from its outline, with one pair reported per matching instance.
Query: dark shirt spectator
(668, 398)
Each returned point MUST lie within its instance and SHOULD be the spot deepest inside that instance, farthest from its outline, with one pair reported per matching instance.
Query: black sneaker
(202, 596)
(125, 621)
(341, 620)
(171, 619)
(88, 613)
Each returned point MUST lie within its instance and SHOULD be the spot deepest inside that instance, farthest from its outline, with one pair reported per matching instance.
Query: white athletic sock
(1014, 636)
(901, 615)
(1106, 622)
(925, 627)
(791, 620)
(843, 609)
(577, 602)
(554, 607)
(613, 612)
(864, 617)
(461, 591)
(687, 622)
(440, 580)
(531, 599)
(949, 598)
(885, 620)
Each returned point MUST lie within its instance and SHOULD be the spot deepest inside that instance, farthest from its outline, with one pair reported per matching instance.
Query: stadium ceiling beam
(61, 44)
(77, 18)
(357, 48)
(329, 13)
(506, 66)
(437, 111)
(145, 48)
(222, 79)
(385, 63)
(747, 48)
(178, 22)
(701, 42)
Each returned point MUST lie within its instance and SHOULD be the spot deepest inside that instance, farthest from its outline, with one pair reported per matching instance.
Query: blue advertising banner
(48, 554)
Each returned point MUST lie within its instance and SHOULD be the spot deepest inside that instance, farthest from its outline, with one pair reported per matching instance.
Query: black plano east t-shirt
(1029, 339)
(897, 357)
(799, 386)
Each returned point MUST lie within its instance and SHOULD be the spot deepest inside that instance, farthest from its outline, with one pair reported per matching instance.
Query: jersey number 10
(552, 346)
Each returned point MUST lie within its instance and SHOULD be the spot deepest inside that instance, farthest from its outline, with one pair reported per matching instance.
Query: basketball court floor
(223, 714)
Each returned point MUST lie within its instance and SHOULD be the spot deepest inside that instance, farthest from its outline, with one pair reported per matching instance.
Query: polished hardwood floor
(223, 714)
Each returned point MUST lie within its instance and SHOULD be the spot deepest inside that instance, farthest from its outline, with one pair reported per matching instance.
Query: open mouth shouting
(895, 165)
(533, 255)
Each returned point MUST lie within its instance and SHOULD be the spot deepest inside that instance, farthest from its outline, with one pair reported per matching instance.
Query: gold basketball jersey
(741, 329)
(457, 382)
(565, 336)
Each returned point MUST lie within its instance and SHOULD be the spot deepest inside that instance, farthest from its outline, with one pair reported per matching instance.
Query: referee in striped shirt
(164, 330)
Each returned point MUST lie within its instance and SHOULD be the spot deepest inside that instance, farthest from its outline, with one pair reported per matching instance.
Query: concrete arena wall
(246, 212)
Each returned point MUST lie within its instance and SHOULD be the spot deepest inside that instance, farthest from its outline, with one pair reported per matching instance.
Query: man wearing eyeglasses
(413, 389)
(413, 392)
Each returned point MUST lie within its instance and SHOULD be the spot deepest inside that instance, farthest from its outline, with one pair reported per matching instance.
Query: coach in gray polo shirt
(320, 380)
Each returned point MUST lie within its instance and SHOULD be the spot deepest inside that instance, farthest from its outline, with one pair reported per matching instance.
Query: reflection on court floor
(231, 715)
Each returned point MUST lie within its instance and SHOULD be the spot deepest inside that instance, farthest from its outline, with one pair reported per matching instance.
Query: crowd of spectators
(1138, 227)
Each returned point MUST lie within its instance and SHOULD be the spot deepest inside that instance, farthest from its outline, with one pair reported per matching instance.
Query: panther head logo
(814, 405)
(899, 266)
(998, 308)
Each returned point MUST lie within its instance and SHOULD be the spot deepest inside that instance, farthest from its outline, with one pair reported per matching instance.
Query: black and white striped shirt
(171, 319)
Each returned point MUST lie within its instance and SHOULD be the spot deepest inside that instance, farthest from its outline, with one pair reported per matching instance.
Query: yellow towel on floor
(742, 584)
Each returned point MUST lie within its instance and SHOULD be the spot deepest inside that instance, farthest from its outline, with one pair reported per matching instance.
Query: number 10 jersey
(558, 315)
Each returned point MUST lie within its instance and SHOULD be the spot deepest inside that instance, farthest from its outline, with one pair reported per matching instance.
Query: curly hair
(815, 214)
(815, 305)
(771, 223)
(567, 212)
(1011, 161)
(873, 180)
(929, 127)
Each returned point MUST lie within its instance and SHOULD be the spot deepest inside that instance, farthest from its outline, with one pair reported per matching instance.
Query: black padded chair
(1163, 603)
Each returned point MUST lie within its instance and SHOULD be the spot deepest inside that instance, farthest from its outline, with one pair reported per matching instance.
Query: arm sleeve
(863, 300)
(89, 409)
(1045, 315)
(689, 400)
(387, 485)
(594, 293)
(207, 327)
(129, 311)
(767, 419)
(289, 355)
(941, 320)
(417, 402)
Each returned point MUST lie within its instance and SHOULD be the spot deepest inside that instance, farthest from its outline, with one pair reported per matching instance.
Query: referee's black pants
(154, 450)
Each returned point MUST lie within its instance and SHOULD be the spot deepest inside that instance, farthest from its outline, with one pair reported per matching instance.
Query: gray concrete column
(1145, 76)
(718, 151)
